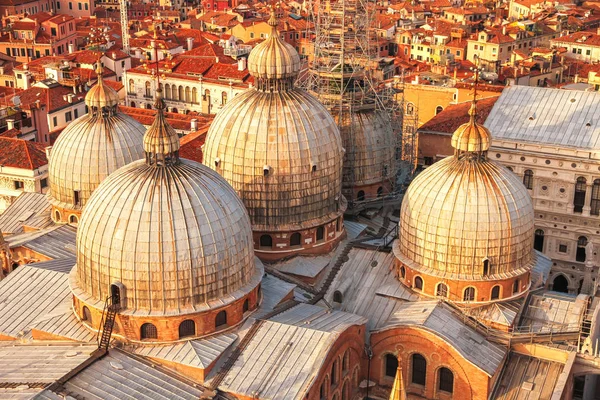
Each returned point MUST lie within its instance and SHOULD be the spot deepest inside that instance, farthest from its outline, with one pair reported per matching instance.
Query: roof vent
(217, 161)
(266, 170)
(589, 123)
(532, 117)
(116, 365)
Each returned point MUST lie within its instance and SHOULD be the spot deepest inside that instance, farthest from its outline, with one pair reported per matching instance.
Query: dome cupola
(89, 149)
(173, 239)
(282, 152)
(466, 225)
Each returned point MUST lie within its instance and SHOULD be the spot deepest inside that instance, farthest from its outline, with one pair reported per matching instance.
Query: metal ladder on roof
(107, 323)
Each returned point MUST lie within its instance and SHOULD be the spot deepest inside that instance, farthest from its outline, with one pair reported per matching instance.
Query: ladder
(108, 322)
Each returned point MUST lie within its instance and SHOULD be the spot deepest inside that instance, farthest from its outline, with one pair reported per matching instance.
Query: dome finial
(273, 20)
(161, 142)
(101, 96)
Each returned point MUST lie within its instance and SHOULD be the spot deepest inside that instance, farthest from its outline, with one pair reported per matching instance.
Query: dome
(282, 152)
(471, 136)
(279, 147)
(100, 95)
(467, 217)
(172, 232)
(88, 150)
(274, 58)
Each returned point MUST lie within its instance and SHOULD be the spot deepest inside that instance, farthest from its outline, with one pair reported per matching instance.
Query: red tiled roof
(11, 133)
(457, 114)
(191, 144)
(19, 153)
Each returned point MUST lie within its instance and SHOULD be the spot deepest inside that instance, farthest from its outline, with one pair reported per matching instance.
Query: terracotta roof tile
(457, 114)
(19, 153)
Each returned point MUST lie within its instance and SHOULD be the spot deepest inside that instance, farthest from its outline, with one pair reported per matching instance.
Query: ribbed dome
(290, 137)
(176, 236)
(87, 151)
(100, 95)
(472, 136)
(465, 210)
(370, 148)
(161, 138)
(274, 58)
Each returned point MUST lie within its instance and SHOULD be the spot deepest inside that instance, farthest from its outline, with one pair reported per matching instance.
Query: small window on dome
(76, 198)
(187, 328)
(419, 283)
(148, 331)
(469, 294)
(516, 285)
(314, 168)
(221, 319)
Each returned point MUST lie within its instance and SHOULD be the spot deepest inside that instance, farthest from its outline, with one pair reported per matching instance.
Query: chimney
(71, 48)
(10, 123)
(194, 125)
(242, 63)
(504, 30)
(138, 53)
(190, 43)
(216, 60)
(48, 152)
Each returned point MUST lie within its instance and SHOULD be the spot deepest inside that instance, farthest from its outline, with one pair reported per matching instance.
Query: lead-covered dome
(279, 148)
(466, 217)
(88, 150)
(171, 232)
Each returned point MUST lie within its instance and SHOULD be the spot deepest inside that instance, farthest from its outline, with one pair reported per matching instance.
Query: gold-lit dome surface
(370, 148)
(457, 213)
(274, 58)
(293, 137)
(472, 136)
(177, 237)
(100, 95)
(87, 151)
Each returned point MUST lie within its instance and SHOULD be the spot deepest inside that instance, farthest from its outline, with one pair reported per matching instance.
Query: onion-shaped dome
(100, 95)
(472, 136)
(280, 149)
(170, 230)
(91, 148)
(467, 217)
(370, 148)
(274, 58)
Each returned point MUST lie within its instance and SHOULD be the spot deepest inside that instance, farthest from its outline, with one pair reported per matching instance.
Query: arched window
(579, 197)
(595, 202)
(194, 95)
(73, 219)
(148, 331)
(516, 285)
(560, 284)
(57, 215)
(148, 106)
(131, 86)
(446, 380)
(221, 319)
(188, 95)
(419, 283)
(320, 233)
(360, 196)
(346, 362)
(581, 243)
(538, 241)
(528, 179)
(338, 297)
(133, 104)
(486, 266)
(187, 328)
(334, 373)
(410, 109)
(87, 315)
(402, 272)
(495, 293)
(323, 390)
(148, 89)
(469, 294)
(295, 239)
(167, 91)
(438, 110)
(266, 241)
(246, 306)
(391, 365)
(345, 391)
(223, 98)
(181, 93)
(379, 191)
(419, 369)
(441, 290)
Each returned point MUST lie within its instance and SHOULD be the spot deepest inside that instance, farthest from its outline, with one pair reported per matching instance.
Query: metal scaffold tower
(340, 74)
(124, 25)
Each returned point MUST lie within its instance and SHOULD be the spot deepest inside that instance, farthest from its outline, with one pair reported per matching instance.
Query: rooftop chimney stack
(242, 62)
(194, 125)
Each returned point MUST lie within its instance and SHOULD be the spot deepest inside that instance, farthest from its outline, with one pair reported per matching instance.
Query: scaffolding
(340, 75)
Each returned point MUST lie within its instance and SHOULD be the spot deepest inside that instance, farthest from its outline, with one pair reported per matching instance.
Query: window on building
(579, 197)
(295, 239)
(76, 198)
(132, 88)
(562, 248)
(148, 89)
(402, 272)
(582, 241)
(221, 319)
(70, 5)
(441, 290)
(19, 185)
(44, 182)
(320, 233)
(538, 240)
(334, 373)
(360, 196)
(68, 116)
(446, 380)
(187, 328)
(516, 286)
(419, 283)
(86, 6)
(266, 241)
(323, 391)
(87, 315)
(79, 6)
(391, 365)
(76, 113)
(419, 369)
(438, 110)
(73, 219)
(223, 98)
(148, 331)
(495, 293)
(54, 121)
(469, 294)
(528, 179)
(410, 109)
(595, 202)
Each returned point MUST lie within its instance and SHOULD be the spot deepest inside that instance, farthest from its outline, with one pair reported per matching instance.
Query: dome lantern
(472, 138)
(101, 98)
(161, 142)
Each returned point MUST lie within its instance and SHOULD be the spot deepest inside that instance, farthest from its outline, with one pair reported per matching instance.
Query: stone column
(588, 199)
